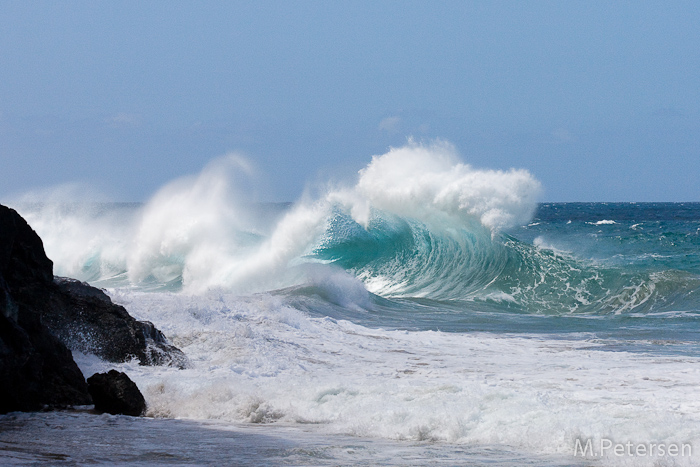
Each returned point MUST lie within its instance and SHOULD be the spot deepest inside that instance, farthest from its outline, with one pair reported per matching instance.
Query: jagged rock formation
(41, 317)
(36, 368)
(85, 319)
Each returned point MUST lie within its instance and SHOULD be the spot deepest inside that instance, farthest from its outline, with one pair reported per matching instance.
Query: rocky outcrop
(115, 393)
(42, 317)
(85, 319)
(36, 368)
(81, 316)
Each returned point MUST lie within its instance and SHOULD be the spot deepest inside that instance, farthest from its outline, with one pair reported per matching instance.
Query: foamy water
(257, 360)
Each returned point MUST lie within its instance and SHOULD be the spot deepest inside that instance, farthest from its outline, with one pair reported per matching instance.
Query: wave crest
(417, 221)
(429, 183)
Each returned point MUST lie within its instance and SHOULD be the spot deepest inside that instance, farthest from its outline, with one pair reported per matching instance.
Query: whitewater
(425, 313)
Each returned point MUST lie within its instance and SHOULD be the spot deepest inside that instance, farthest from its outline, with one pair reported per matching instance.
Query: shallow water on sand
(81, 438)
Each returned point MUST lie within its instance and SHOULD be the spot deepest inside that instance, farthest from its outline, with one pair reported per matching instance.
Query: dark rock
(81, 316)
(85, 318)
(115, 393)
(23, 263)
(36, 368)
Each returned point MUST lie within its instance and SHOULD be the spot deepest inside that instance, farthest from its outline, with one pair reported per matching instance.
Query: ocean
(429, 314)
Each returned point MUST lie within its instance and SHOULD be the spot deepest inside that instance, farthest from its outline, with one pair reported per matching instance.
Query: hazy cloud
(390, 124)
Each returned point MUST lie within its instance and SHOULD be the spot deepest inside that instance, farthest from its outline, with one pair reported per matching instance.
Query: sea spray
(430, 183)
(197, 232)
(89, 241)
(417, 223)
(190, 221)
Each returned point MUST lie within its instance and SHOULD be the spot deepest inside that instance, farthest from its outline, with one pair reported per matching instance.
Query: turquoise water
(628, 273)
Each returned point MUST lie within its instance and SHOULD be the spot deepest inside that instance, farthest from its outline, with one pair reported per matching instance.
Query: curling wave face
(194, 233)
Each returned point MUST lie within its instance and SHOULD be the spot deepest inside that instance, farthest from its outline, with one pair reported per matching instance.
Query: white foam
(256, 359)
(339, 287)
(194, 230)
(543, 244)
(84, 241)
(429, 183)
(603, 222)
(190, 222)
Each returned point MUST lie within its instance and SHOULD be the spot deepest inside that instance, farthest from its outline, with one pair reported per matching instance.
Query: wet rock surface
(36, 369)
(85, 318)
(116, 394)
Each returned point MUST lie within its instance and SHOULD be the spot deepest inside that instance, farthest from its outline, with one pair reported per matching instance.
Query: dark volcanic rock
(81, 316)
(36, 368)
(85, 318)
(39, 317)
(23, 263)
(115, 393)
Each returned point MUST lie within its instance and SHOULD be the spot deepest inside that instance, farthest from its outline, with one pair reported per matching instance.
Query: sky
(599, 100)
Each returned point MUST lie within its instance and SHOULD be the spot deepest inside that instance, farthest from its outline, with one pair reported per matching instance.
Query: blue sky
(599, 100)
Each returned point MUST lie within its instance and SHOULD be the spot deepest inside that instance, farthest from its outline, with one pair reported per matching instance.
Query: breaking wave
(417, 223)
